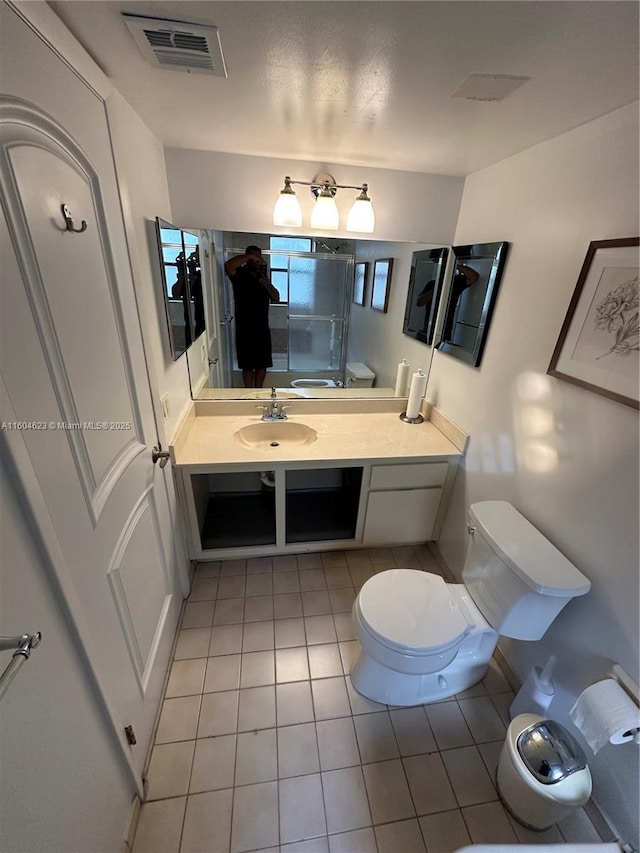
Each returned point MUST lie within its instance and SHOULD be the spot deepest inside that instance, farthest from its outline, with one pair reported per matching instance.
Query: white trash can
(542, 772)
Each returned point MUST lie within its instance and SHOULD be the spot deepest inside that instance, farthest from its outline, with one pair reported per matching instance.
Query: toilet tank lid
(360, 370)
(526, 551)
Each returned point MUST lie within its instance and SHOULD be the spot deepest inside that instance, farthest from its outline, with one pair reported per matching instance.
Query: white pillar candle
(418, 388)
(402, 378)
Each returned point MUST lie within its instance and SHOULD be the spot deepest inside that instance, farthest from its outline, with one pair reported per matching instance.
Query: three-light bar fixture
(324, 215)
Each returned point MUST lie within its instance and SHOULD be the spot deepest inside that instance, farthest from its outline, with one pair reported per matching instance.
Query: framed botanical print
(599, 343)
(382, 270)
(360, 282)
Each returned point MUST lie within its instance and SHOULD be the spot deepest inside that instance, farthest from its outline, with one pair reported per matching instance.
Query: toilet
(423, 639)
(358, 375)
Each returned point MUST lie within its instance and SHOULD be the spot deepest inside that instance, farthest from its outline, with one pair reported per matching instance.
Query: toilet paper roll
(418, 387)
(402, 378)
(604, 713)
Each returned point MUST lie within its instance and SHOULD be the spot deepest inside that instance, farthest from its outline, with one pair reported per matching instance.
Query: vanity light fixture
(324, 215)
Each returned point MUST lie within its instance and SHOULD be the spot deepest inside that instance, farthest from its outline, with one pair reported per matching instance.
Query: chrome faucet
(274, 411)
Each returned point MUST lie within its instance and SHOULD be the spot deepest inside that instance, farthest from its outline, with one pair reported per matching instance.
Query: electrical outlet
(164, 403)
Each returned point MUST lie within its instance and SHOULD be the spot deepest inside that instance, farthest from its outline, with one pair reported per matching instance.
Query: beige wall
(578, 483)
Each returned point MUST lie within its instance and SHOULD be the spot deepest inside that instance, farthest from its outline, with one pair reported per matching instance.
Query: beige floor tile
(344, 626)
(292, 665)
(402, 836)
(289, 632)
(257, 708)
(170, 769)
(388, 791)
(502, 703)
(231, 568)
(337, 577)
(376, 738)
(349, 651)
(468, 775)
(379, 556)
(213, 764)
(260, 584)
(255, 817)
(256, 757)
(218, 714)
(316, 603)
(192, 643)
(297, 750)
(495, 680)
(257, 669)
(489, 824)
(301, 808)
(430, 787)
(178, 719)
(483, 719)
(472, 692)
(356, 841)
(337, 744)
(345, 800)
(309, 561)
(284, 582)
(576, 828)
(333, 559)
(258, 637)
(160, 826)
(229, 611)
(186, 678)
(490, 753)
(330, 698)
(361, 704)
(258, 608)
(320, 629)
(231, 587)
(285, 563)
(207, 823)
(198, 614)
(208, 569)
(341, 600)
(287, 605)
(358, 557)
(259, 565)
(412, 731)
(324, 661)
(312, 579)
(293, 703)
(223, 673)
(313, 845)
(448, 725)
(203, 589)
(530, 836)
(444, 832)
(360, 574)
(226, 640)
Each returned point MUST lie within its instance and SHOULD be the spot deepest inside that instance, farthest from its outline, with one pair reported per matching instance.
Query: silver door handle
(213, 362)
(23, 646)
(160, 455)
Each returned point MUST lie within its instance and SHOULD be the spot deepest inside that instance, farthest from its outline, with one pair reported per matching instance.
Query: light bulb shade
(287, 210)
(325, 213)
(361, 217)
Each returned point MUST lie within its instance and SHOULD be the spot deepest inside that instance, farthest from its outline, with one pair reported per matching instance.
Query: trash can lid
(549, 752)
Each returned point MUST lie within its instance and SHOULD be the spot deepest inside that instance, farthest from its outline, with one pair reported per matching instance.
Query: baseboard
(132, 825)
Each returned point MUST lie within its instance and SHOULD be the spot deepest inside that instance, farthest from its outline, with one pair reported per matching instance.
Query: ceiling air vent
(178, 45)
(488, 87)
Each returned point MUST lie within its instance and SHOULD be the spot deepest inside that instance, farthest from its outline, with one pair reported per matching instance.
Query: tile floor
(263, 744)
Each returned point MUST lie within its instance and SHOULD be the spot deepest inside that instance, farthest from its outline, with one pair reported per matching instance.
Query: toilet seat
(412, 611)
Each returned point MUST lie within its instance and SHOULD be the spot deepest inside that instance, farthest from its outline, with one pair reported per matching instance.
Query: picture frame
(361, 276)
(426, 285)
(382, 270)
(598, 345)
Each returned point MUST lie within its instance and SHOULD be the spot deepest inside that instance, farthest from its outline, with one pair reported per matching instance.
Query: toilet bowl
(422, 639)
(314, 383)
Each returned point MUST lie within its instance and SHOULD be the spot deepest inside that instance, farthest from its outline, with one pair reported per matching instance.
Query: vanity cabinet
(320, 506)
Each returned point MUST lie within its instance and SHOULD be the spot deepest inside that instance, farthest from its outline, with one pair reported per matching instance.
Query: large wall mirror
(181, 285)
(470, 300)
(323, 343)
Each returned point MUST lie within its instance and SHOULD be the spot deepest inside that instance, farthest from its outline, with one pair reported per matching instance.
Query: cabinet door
(394, 517)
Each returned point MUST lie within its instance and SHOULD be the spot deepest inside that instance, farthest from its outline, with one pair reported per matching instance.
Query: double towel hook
(67, 218)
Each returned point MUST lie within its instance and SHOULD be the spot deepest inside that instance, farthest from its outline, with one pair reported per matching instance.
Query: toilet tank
(517, 578)
(358, 375)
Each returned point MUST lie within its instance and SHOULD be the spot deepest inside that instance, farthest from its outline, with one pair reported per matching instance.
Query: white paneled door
(78, 421)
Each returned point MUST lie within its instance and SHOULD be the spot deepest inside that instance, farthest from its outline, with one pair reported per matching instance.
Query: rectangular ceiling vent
(178, 45)
(488, 87)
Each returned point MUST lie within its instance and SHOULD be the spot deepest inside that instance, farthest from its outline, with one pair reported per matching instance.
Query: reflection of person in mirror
(252, 295)
(464, 277)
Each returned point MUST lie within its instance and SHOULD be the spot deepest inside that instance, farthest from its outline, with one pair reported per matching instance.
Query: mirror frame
(497, 253)
(412, 296)
(187, 298)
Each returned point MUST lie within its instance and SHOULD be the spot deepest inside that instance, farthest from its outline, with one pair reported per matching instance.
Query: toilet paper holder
(630, 688)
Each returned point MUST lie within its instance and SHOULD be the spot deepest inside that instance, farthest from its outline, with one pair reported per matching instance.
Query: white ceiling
(370, 82)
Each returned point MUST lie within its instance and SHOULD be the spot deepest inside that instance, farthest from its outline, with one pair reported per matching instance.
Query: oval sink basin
(275, 434)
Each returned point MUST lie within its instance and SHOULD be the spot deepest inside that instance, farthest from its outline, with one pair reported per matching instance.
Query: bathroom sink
(266, 395)
(275, 434)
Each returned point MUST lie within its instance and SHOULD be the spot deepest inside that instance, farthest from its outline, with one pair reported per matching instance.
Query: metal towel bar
(22, 646)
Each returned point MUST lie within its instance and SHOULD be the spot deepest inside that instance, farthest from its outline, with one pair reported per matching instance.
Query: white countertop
(373, 436)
